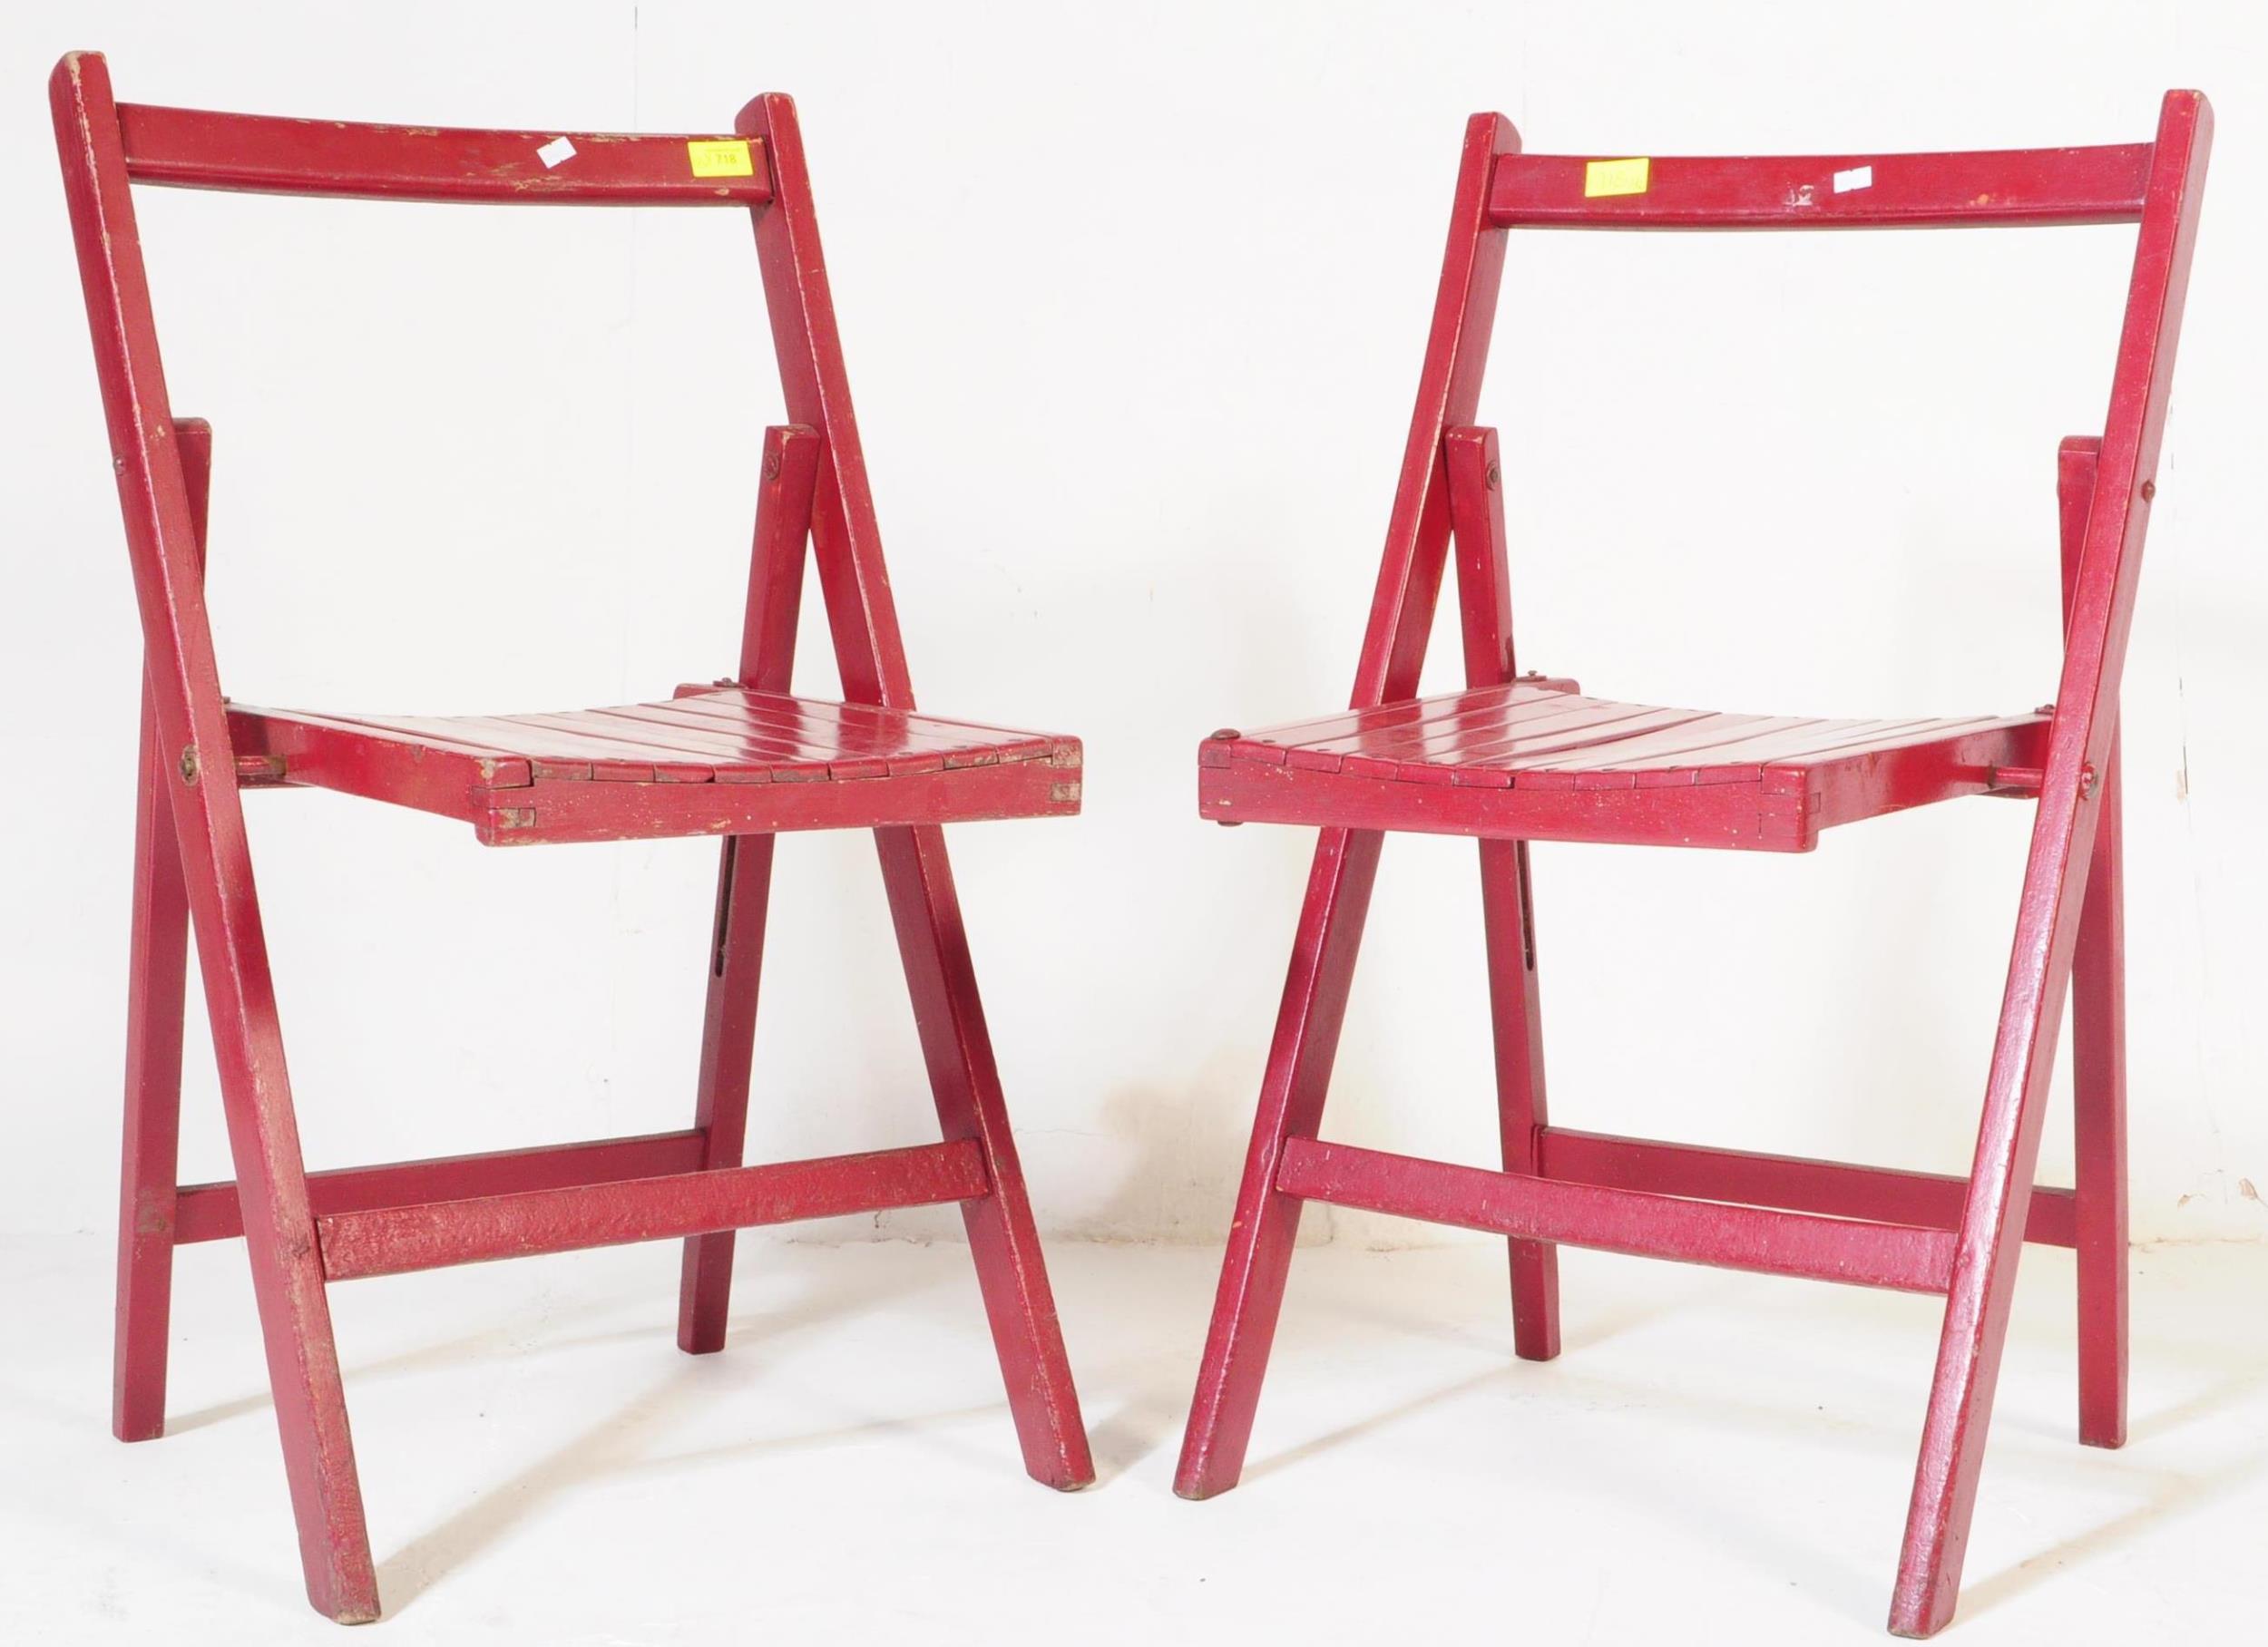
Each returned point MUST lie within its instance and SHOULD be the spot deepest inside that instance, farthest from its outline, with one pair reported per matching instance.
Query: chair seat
(1537, 760)
(713, 760)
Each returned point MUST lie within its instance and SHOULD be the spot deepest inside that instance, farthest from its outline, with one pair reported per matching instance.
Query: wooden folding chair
(1515, 758)
(740, 758)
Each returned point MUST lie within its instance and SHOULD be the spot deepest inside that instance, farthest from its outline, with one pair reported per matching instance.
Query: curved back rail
(1977, 188)
(265, 154)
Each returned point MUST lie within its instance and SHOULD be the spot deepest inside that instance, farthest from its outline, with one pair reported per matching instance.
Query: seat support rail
(1863, 1253)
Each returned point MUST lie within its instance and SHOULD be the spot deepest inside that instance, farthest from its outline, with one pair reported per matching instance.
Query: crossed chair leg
(2053, 952)
(201, 876)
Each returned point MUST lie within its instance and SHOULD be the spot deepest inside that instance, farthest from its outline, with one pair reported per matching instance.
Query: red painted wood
(1795, 1183)
(2048, 914)
(1520, 759)
(158, 972)
(742, 758)
(2098, 1049)
(1266, 1223)
(1976, 188)
(1484, 600)
(185, 690)
(262, 154)
(725, 761)
(744, 878)
(1518, 763)
(1766, 1239)
(1292, 1090)
(392, 1240)
(1521, 701)
(870, 659)
(1308, 1024)
(210, 1212)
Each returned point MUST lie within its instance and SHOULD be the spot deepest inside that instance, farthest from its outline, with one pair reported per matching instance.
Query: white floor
(1714, 1458)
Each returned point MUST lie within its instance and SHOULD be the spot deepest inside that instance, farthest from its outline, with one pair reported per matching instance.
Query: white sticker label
(559, 150)
(1858, 176)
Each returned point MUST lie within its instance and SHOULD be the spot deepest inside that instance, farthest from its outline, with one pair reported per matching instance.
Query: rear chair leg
(1292, 1093)
(965, 1082)
(1507, 918)
(2098, 1045)
(158, 962)
(2098, 1087)
(149, 1166)
(744, 886)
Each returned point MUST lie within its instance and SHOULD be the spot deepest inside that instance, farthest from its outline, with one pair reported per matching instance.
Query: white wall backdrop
(1134, 300)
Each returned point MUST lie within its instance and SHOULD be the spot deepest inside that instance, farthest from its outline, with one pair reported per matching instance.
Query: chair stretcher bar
(391, 1240)
(1860, 1253)
(1794, 1184)
(208, 1211)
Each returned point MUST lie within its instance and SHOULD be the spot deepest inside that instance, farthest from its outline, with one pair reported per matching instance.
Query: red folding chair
(740, 759)
(1515, 758)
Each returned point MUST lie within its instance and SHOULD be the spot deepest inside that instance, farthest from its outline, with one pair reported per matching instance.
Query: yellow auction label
(728, 157)
(1616, 177)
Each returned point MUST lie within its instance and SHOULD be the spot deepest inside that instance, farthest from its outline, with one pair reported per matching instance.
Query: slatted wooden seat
(715, 760)
(742, 758)
(1536, 760)
(1514, 759)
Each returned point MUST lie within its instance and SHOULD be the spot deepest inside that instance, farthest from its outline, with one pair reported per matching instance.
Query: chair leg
(1292, 1093)
(150, 1167)
(2098, 1084)
(744, 888)
(1990, 1242)
(279, 1232)
(965, 1082)
(1507, 918)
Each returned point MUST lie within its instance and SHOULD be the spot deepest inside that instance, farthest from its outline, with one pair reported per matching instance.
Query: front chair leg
(965, 1081)
(1507, 918)
(279, 1232)
(151, 1156)
(1991, 1238)
(1259, 1254)
(736, 960)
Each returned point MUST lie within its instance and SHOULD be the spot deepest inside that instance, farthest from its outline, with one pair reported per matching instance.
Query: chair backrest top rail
(268, 154)
(1970, 189)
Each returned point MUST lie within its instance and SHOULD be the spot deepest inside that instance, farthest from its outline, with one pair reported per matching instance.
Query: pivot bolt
(188, 765)
(2086, 783)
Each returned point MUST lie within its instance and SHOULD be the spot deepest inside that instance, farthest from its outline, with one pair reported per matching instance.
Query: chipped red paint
(742, 759)
(1513, 759)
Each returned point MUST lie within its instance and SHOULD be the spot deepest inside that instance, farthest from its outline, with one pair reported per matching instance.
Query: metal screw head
(771, 465)
(1495, 476)
(2149, 490)
(188, 765)
(2086, 783)
(1227, 734)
